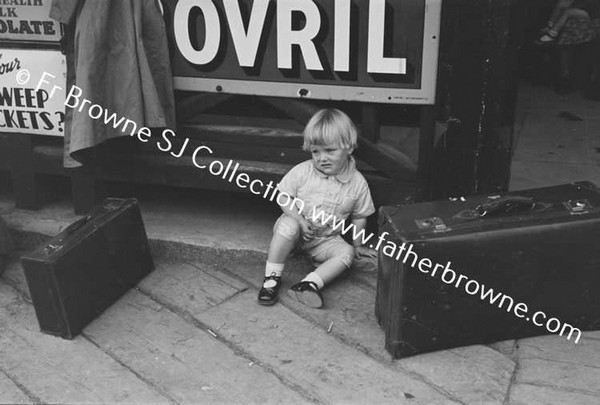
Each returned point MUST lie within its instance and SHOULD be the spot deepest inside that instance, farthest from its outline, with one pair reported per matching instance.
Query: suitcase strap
(507, 207)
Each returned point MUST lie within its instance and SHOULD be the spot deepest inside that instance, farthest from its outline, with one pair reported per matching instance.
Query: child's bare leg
(335, 266)
(335, 258)
(282, 244)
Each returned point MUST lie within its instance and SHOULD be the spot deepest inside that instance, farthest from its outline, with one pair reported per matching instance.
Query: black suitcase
(82, 271)
(538, 247)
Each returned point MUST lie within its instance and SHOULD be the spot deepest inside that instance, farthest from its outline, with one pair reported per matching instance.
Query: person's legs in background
(562, 13)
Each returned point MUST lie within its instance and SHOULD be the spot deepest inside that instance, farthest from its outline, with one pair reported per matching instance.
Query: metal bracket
(435, 223)
(578, 207)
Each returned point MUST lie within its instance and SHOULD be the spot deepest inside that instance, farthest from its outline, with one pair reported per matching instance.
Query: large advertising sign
(28, 20)
(24, 107)
(381, 51)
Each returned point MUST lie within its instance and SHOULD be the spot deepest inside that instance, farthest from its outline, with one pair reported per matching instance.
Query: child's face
(330, 159)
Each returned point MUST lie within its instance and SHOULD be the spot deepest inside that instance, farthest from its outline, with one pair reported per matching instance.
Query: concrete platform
(191, 332)
(557, 139)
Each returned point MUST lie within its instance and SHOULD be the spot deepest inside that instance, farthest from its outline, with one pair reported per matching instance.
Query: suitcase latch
(112, 204)
(435, 223)
(49, 249)
(578, 207)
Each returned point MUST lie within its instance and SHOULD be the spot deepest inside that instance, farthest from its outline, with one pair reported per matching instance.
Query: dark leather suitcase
(82, 271)
(539, 247)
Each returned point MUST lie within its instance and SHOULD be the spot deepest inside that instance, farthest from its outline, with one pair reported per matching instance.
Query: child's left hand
(363, 251)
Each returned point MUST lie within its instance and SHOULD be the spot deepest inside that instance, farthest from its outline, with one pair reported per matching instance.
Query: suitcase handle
(76, 225)
(53, 247)
(506, 205)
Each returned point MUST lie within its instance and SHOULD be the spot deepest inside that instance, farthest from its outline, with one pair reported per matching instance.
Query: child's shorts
(319, 249)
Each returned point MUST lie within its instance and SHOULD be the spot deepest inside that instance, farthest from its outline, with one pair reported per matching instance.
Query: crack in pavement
(513, 377)
(32, 397)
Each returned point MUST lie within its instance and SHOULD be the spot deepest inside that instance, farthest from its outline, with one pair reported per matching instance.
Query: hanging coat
(121, 62)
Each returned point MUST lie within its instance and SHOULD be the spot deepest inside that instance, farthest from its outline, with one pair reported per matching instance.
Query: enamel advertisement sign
(28, 20)
(382, 51)
(25, 105)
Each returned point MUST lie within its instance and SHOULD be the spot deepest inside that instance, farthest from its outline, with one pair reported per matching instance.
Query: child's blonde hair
(330, 126)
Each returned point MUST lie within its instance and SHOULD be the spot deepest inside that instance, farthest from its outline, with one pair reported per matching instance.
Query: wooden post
(476, 97)
(370, 122)
(22, 168)
(426, 140)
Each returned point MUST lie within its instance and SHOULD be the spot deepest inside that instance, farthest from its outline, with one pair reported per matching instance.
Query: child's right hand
(307, 230)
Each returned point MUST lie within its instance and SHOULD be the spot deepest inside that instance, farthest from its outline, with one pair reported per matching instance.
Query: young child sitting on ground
(563, 11)
(329, 182)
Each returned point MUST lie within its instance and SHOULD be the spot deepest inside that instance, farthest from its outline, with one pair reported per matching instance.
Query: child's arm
(360, 250)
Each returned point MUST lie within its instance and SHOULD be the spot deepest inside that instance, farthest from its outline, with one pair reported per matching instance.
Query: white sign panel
(28, 20)
(380, 51)
(24, 107)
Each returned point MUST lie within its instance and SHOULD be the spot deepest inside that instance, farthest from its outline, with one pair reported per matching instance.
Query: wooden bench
(262, 134)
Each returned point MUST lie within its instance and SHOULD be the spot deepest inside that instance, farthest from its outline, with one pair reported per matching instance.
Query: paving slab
(560, 364)
(564, 142)
(593, 335)
(10, 393)
(14, 275)
(483, 376)
(525, 394)
(192, 367)
(177, 298)
(475, 374)
(327, 369)
(192, 286)
(348, 306)
(62, 371)
(550, 149)
(183, 360)
(537, 97)
(545, 174)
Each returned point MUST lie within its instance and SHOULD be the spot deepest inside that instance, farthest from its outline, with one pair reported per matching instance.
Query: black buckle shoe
(307, 293)
(268, 294)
